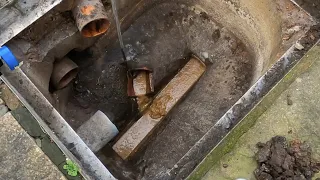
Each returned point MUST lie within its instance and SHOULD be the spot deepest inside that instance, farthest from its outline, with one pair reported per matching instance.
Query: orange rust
(95, 28)
(87, 10)
(158, 108)
(143, 102)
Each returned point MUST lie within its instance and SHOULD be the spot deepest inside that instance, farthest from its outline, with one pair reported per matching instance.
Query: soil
(311, 6)
(280, 160)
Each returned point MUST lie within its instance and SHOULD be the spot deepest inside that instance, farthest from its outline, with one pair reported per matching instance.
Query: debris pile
(278, 160)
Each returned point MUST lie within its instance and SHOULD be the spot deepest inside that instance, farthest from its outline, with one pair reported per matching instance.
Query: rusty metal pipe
(91, 17)
(64, 71)
(140, 82)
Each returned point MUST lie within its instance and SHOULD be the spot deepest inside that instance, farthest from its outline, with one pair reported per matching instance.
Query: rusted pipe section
(91, 17)
(64, 71)
(140, 82)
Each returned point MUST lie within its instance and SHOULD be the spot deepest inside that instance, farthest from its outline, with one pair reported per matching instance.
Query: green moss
(247, 122)
(71, 168)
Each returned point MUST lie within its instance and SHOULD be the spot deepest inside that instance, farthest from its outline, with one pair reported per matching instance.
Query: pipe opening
(64, 71)
(67, 78)
(95, 28)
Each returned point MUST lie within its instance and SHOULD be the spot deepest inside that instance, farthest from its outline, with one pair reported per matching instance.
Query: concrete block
(97, 131)
(169, 96)
(9, 98)
(21, 158)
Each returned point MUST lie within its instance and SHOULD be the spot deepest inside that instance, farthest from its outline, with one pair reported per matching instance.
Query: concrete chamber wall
(258, 24)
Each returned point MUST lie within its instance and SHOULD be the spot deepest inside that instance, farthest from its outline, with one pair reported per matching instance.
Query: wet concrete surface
(163, 38)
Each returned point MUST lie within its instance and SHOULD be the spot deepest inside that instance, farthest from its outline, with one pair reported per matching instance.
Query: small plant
(71, 168)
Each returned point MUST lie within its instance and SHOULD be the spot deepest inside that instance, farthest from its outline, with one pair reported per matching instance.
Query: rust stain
(158, 108)
(143, 102)
(169, 96)
(87, 10)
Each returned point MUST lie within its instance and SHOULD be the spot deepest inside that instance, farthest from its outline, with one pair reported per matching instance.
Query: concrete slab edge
(60, 131)
(228, 142)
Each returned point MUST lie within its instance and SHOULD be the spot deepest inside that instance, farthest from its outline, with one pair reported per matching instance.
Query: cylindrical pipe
(64, 71)
(91, 17)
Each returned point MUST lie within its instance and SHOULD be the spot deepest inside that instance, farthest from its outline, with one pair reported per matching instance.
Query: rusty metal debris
(91, 17)
(169, 96)
(64, 71)
(140, 82)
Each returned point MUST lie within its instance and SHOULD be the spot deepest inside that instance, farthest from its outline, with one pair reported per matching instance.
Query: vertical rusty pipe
(64, 71)
(91, 17)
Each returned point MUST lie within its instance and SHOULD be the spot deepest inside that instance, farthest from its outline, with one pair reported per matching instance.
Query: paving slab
(20, 157)
(294, 114)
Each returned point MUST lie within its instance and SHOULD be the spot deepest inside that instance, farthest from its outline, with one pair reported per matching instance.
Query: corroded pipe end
(140, 82)
(91, 17)
(64, 71)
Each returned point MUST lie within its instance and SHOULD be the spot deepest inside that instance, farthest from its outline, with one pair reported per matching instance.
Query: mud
(280, 160)
(311, 6)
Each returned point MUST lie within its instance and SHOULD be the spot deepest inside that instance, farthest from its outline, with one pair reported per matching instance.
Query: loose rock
(3, 110)
(10, 99)
(2, 102)
(298, 46)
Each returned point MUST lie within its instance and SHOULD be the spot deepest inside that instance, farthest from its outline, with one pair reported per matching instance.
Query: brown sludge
(278, 160)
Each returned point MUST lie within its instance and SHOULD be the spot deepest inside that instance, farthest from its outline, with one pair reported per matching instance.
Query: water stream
(118, 26)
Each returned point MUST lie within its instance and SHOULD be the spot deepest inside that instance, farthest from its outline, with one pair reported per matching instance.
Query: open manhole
(239, 41)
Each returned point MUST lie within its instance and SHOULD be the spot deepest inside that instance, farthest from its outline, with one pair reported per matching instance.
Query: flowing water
(118, 25)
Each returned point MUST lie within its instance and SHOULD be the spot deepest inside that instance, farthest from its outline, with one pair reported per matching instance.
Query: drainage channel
(62, 134)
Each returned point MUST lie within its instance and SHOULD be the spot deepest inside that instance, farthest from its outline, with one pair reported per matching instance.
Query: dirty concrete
(163, 42)
(311, 6)
(21, 158)
(164, 45)
(101, 85)
(31, 127)
(97, 131)
(9, 98)
(296, 121)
